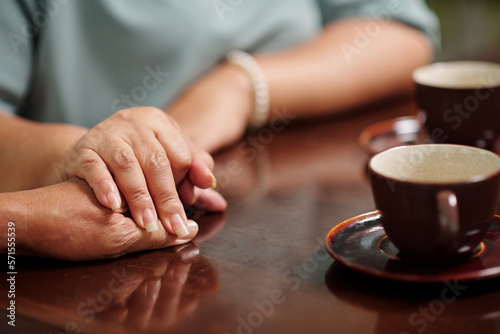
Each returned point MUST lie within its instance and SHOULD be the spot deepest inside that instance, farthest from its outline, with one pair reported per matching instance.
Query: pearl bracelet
(261, 90)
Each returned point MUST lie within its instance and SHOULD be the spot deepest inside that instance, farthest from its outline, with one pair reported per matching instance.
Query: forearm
(339, 69)
(14, 218)
(65, 221)
(28, 151)
(315, 78)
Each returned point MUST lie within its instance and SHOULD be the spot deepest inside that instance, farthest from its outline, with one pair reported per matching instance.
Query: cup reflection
(399, 307)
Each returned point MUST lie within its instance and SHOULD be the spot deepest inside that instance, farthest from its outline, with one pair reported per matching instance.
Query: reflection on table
(261, 267)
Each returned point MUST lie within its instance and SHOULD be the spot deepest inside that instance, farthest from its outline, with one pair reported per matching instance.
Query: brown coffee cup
(436, 201)
(459, 102)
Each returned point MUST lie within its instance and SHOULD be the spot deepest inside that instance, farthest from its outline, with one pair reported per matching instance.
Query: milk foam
(459, 74)
(436, 163)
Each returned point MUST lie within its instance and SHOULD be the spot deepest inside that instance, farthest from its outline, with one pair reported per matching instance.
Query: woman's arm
(341, 68)
(345, 67)
(64, 221)
(28, 151)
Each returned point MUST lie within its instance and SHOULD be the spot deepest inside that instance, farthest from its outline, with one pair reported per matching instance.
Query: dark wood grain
(261, 267)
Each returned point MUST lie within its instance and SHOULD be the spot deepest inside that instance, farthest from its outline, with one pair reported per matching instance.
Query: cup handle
(449, 223)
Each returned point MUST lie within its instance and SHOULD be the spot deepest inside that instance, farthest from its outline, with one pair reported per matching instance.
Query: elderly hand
(65, 221)
(141, 154)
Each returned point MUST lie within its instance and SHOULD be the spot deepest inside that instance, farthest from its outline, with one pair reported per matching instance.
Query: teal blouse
(77, 61)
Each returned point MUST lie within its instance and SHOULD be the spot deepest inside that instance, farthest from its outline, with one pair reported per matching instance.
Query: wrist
(238, 84)
(64, 138)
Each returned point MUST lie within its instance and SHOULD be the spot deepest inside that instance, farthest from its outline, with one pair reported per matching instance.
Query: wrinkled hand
(65, 221)
(214, 111)
(141, 154)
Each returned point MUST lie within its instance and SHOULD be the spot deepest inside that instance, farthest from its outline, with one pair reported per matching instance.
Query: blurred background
(470, 29)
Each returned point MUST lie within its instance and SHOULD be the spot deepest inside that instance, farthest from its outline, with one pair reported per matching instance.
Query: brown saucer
(361, 243)
(390, 133)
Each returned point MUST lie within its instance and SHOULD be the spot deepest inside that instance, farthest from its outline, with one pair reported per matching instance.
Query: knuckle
(124, 235)
(124, 114)
(138, 196)
(124, 159)
(173, 123)
(88, 164)
(130, 116)
(168, 201)
(96, 131)
(141, 115)
(158, 161)
(152, 112)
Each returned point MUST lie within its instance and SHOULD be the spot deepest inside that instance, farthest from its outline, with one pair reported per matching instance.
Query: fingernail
(214, 180)
(148, 218)
(113, 201)
(192, 223)
(193, 226)
(179, 226)
(151, 227)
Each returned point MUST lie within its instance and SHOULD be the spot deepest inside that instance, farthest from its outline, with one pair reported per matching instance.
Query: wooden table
(260, 267)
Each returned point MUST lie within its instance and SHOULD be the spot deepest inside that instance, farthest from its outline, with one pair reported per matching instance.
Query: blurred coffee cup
(459, 102)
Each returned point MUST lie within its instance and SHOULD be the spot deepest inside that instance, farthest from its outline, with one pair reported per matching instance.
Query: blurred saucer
(390, 133)
(361, 243)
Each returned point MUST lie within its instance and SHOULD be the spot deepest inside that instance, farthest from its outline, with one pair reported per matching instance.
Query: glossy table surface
(260, 267)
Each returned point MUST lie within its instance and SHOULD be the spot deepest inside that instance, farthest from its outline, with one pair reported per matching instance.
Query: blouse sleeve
(414, 13)
(16, 46)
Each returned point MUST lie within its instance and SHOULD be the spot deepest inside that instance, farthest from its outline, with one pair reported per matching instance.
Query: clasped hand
(138, 158)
